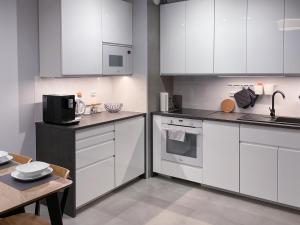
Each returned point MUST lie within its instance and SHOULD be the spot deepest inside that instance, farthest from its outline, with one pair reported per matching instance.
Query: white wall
(207, 93)
(18, 66)
(156, 83)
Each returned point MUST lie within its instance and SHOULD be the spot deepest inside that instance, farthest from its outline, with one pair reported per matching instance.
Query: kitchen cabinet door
(172, 39)
(199, 36)
(258, 171)
(129, 149)
(265, 37)
(94, 180)
(117, 22)
(288, 176)
(230, 36)
(221, 155)
(81, 37)
(292, 37)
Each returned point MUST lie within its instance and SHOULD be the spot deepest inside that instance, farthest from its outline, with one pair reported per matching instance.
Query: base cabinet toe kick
(255, 161)
(101, 158)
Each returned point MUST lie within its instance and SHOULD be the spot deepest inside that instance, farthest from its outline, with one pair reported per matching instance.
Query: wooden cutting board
(227, 106)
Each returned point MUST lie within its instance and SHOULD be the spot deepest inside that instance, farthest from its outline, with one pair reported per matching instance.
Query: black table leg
(54, 209)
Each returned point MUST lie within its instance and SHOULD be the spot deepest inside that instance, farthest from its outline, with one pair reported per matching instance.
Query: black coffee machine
(59, 109)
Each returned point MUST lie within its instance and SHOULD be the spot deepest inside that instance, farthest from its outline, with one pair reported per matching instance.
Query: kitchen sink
(289, 120)
(257, 118)
(268, 119)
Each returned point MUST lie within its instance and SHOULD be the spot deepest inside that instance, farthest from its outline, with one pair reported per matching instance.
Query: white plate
(6, 159)
(19, 176)
(32, 169)
(3, 154)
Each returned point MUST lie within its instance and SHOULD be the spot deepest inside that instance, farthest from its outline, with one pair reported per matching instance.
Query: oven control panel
(181, 122)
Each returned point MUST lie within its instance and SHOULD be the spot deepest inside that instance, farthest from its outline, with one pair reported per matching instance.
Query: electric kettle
(80, 105)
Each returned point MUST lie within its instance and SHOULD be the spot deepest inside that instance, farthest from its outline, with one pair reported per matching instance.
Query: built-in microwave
(117, 59)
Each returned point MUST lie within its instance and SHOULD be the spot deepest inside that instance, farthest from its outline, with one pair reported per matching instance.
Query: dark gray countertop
(187, 113)
(97, 119)
(222, 117)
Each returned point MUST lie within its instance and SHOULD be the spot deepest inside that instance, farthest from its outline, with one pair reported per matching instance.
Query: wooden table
(12, 199)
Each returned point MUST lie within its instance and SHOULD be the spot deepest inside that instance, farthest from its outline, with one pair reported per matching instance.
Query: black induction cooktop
(190, 113)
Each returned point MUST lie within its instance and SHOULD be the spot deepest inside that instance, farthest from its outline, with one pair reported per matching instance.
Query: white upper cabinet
(230, 36)
(117, 22)
(292, 37)
(81, 37)
(242, 37)
(172, 31)
(70, 37)
(265, 37)
(199, 36)
(221, 155)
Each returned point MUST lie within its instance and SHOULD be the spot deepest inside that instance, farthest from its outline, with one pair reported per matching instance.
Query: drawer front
(94, 131)
(94, 181)
(94, 140)
(270, 136)
(182, 171)
(88, 156)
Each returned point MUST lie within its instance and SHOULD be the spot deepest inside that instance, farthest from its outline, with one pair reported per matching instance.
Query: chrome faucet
(272, 110)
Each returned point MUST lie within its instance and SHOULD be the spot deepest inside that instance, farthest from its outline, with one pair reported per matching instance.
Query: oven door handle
(188, 130)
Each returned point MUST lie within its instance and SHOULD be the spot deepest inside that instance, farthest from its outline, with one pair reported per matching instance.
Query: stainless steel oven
(185, 147)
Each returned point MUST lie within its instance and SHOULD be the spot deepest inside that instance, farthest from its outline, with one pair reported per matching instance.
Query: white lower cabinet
(257, 161)
(129, 145)
(221, 155)
(258, 171)
(94, 181)
(108, 156)
(95, 154)
(288, 176)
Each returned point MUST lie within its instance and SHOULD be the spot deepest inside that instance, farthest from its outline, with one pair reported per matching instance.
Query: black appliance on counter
(59, 109)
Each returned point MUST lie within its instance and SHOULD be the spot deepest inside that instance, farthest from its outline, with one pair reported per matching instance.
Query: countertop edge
(74, 128)
(244, 122)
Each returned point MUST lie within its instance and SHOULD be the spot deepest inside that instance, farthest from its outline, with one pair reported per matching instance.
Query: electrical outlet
(93, 94)
(232, 93)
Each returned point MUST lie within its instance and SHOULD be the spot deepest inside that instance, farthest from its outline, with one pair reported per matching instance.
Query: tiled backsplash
(131, 91)
(102, 87)
(208, 93)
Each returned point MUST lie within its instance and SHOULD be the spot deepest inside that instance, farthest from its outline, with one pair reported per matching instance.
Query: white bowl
(19, 176)
(32, 169)
(3, 155)
(6, 159)
(113, 107)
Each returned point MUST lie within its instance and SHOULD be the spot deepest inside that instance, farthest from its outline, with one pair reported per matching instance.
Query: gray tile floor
(164, 201)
